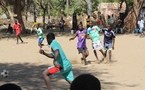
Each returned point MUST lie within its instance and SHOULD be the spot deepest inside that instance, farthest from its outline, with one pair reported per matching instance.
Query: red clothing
(17, 28)
(100, 22)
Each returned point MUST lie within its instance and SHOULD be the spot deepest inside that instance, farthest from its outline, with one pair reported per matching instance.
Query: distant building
(111, 8)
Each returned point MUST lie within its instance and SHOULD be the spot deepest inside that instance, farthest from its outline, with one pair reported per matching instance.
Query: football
(4, 73)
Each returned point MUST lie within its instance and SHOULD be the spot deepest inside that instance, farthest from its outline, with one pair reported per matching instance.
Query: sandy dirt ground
(25, 64)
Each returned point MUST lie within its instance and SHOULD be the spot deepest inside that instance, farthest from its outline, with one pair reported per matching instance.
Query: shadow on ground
(28, 34)
(29, 77)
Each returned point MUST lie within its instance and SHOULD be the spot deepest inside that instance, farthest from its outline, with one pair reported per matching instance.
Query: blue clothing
(62, 60)
(62, 23)
(40, 40)
(141, 29)
(108, 36)
(136, 30)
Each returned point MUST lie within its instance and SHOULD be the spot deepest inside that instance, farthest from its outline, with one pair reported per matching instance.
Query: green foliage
(1, 12)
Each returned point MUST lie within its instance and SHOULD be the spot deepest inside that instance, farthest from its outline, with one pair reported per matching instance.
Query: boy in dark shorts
(81, 44)
(62, 65)
(109, 41)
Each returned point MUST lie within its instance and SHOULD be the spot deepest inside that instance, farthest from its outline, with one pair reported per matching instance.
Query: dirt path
(127, 71)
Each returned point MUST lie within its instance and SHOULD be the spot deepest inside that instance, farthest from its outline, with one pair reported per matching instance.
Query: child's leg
(40, 42)
(102, 52)
(105, 53)
(70, 82)
(95, 53)
(86, 53)
(20, 38)
(84, 57)
(110, 54)
(17, 39)
(46, 78)
(68, 76)
(50, 71)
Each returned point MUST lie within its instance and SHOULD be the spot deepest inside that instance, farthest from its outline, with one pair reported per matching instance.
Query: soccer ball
(4, 73)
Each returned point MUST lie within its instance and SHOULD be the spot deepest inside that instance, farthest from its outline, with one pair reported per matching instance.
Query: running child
(17, 29)
(81, 44)
(61, 65)
(93, 34)
(41, 36)
(109, 41)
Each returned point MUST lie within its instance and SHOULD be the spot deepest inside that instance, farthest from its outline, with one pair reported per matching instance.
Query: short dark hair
(10, 86)
(50, 36)
(85, 82)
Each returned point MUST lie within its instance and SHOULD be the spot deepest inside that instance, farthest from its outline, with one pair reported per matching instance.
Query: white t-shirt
(141, 23)
(112, 20)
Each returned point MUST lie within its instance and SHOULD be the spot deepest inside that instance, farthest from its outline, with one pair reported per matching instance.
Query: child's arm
(88, 37)
(73, 37)
(46, 54)
(113, 43)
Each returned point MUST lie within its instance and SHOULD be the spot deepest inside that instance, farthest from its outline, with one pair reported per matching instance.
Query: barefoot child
(93, 34)
(81, 44)
(17, 29)
(41, 36)
(109, 41)
(61, 65)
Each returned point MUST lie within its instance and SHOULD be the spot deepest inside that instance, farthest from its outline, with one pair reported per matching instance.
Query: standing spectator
(100, 23)
(88, 20)
(112, 19)
(119, 27)
(61, 24)
(141, 27)
(17, 29)
(108, 20)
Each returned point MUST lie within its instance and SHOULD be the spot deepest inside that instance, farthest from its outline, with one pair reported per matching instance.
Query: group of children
(93, 33)
(61, 65)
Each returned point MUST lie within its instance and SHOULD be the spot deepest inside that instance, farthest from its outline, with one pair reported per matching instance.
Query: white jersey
(141, 23)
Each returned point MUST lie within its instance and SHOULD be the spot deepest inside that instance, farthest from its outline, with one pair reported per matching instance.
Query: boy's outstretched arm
(46, 54)
(73, 36)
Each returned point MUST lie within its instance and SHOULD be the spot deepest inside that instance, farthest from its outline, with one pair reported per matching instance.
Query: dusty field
(127, 71)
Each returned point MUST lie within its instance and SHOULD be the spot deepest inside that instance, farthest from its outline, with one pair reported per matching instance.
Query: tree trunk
(89, 7)
(27, 3)
(44, 12)
(34, 7)
(130, 21)
(19, 15)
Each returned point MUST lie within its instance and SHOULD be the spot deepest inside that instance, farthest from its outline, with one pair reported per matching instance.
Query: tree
(132, 17)
(89, 7)
(6, 10)
(18, 12)
(43, 5)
